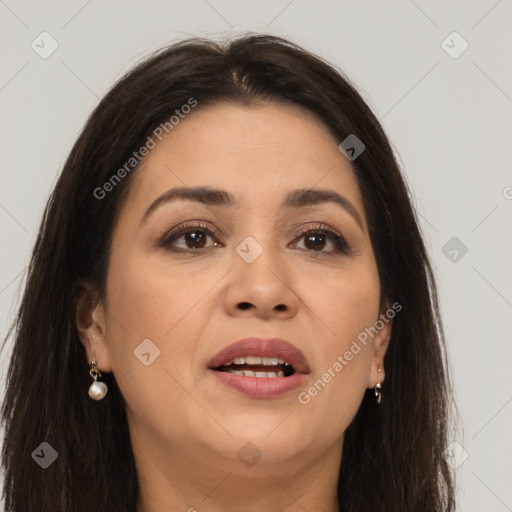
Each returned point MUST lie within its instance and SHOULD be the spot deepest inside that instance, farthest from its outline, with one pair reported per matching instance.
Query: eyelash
(342, 247)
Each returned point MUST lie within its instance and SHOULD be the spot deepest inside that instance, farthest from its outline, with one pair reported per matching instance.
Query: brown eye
(191, 237)
(195, 239)
(316, 240)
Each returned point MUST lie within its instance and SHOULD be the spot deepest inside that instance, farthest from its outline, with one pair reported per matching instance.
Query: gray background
(449, 119)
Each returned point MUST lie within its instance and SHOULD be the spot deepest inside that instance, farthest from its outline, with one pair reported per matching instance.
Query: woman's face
(175, 300)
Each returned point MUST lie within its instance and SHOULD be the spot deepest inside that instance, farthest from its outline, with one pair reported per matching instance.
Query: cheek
(148, 298)
(167, 307)
(347, 302)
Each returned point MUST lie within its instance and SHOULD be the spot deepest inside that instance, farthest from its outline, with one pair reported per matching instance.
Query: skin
(186, 426)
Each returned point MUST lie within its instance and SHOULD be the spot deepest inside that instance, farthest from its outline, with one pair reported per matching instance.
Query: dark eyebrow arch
(307, 197)
(216, 197)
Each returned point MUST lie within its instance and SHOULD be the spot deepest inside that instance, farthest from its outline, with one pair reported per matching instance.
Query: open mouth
(260, 368)
(256, 366)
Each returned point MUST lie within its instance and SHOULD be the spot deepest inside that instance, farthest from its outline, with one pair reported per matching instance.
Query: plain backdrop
(436, 73)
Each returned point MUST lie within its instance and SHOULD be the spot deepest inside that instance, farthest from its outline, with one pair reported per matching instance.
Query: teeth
(256, 360)
(249, 373)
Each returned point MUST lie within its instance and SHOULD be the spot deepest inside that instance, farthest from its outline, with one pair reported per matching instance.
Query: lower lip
(261, 387)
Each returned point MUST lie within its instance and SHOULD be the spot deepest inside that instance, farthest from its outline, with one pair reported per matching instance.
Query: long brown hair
(392, 454)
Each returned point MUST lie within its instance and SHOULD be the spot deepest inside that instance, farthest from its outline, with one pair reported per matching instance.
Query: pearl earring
(97, 390)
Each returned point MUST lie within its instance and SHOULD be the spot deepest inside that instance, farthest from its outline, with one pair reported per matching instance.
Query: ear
(90, 322)
(380, 346)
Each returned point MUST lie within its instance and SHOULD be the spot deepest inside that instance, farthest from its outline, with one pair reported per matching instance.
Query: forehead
(264, 150)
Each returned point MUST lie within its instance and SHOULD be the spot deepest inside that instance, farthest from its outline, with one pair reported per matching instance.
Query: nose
(262, 288)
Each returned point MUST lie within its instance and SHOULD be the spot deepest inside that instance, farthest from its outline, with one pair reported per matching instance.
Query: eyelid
(318, 226)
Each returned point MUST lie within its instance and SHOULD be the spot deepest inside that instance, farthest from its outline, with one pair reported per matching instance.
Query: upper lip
(262, 347)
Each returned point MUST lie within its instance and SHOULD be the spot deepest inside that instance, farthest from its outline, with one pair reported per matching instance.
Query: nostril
(244, 305)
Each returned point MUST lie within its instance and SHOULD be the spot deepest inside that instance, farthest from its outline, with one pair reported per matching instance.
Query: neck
(194, 481)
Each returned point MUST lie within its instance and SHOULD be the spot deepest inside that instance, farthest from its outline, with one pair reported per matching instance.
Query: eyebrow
(217, 197)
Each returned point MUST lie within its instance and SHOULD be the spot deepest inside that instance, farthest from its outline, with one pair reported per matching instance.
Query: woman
(229, 304)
